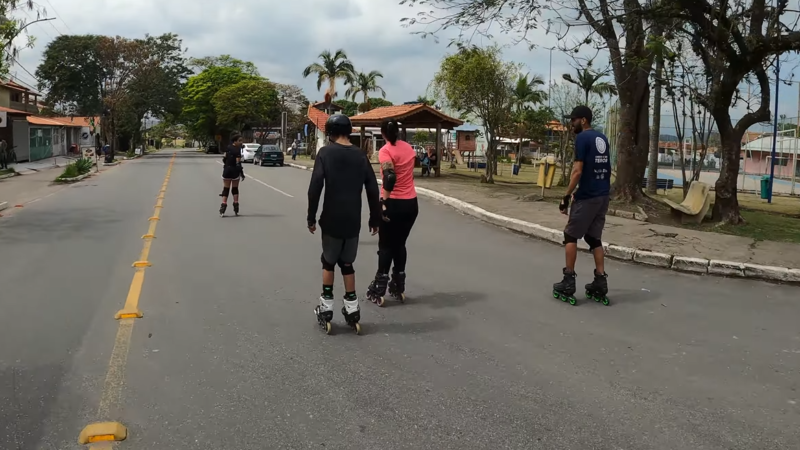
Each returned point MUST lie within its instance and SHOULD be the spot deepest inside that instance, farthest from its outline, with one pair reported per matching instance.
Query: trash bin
(765, 187)
(515, 169)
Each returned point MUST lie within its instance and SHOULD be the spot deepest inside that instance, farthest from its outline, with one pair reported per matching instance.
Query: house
(16, 96)
(757, 155)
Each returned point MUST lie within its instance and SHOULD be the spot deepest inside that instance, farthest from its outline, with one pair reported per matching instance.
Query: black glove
(241, 171)
(384, 210)
(564, 205)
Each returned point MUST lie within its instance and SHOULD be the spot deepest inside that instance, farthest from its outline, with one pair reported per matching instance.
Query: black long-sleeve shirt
(343, 170)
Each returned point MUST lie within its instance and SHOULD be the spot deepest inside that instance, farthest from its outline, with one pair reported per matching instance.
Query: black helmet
(338, 125)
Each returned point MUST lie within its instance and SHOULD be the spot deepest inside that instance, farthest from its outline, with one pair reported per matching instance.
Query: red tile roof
(402, 112)
(317, 117)
(53, 121)
(14, 111)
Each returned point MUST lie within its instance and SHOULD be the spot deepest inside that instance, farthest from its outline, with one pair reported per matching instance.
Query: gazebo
(409, 116)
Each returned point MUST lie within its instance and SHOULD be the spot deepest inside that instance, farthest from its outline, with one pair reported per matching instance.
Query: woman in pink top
(400, 209)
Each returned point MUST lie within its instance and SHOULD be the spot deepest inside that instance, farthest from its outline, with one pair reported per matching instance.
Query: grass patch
(80, 167)
(7, 171)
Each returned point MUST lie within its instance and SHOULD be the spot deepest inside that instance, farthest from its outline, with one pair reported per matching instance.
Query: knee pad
(593, 242)
(347, 269)
(225, 192)
(326, 265)
(569, 239)
(235, 190)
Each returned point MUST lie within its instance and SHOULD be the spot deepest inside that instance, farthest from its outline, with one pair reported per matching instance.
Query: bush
(71, 171)
(83, 165)
(525, 160)
(131, 153)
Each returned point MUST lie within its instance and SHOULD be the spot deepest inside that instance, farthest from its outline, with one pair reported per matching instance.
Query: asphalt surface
(229, 355)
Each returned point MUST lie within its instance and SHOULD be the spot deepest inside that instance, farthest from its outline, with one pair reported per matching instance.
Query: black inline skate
(377, 289)
(236, 208)
(222, 209)
(565, 290)
(597, 289)
(397, 286)
(352, 313)
(324, 313)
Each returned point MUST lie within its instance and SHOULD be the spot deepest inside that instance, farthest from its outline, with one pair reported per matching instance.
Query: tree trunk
(726, 201)
(490, 157)
(633, 140)
(652, 170)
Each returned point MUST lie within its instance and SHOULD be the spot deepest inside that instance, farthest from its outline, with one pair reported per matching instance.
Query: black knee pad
(225, 192)
(326, 265)
(347, 269)
(235, 190)
(569, 239)
(593, 242)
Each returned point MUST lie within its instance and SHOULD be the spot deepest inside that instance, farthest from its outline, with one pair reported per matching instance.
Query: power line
(59, 16)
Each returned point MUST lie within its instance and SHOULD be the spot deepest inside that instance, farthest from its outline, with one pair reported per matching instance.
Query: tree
(71, 74)
(376, 102)
(349, 108)
(209, 62)
(734, 41)
(425, 100)
(250, 102)
(334, 66)
(563, 98)
(526, 94)
(364, 83)
(10, 29)
(198, 113)
(475, 81)
(590, 82)
(295, 103)
(623, 27)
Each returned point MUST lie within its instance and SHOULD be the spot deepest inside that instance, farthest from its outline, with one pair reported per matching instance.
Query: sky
(282, 38)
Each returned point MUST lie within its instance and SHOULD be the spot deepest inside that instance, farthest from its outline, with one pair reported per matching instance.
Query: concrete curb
(73, 180)
(115, 163)
(8, 175)
(3, 205)
(640, 256)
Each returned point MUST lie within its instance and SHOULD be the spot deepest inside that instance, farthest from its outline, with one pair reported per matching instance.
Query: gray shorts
(587, 218)
(336, 250)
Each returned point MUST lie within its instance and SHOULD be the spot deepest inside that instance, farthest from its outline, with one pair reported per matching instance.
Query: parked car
(249, 152)
(212, 148)
(268, 154)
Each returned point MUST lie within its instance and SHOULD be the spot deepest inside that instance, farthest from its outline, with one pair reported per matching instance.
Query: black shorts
(587, 217)
(231, 173)
(337, 250)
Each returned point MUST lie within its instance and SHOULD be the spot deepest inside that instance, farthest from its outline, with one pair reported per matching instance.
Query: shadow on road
(428, 326)
(445, 299)
(623, 296)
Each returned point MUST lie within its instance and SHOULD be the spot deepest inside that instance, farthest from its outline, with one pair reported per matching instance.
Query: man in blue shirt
(591, 175)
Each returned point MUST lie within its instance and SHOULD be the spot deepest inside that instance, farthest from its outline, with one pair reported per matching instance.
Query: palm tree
(525, 94)
(333, 66)
(589, 82)
(364, 83)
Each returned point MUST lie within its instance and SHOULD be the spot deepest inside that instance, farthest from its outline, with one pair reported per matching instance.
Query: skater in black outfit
(400, 210)
(344, 171)
(232, 174)
(591, 174)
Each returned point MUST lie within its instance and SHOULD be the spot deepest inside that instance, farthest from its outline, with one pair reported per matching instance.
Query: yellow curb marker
(101, 434)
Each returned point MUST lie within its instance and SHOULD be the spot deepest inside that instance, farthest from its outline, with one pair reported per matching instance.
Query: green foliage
(590, 82)
(332, 66)
(364, 83)
(208, 62)
(376, 102)
(421, 137)
(349, 108)
(71, 73)
(247, 103)
(11, 28)
(80, 167)
(71, 171)
(199, 113)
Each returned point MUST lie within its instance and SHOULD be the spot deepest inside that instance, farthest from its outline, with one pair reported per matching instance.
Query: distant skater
(232, 174)
(344, 172)
(400, 209)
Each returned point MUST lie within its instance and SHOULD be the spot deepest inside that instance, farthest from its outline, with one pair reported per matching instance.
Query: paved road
(229, 356)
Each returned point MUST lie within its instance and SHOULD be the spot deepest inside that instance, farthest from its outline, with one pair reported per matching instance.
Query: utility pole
(550, 80)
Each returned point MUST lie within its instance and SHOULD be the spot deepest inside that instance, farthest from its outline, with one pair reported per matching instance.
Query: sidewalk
(619, 231)
(42, 164)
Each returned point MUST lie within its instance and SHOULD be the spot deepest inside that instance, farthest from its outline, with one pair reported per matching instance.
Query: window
(467, 137)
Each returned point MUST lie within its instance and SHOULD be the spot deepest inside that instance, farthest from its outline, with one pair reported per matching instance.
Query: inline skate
(597, 289)
(397, 286)
(222, 209)
(352, 313)
(236, 208)
(377, 289)
(324, 313)
(565, 289)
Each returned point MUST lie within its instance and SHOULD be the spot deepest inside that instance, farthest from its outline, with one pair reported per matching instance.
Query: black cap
(581, 112)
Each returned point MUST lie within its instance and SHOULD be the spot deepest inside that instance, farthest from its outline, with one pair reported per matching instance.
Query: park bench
(695, 206)
(661, 184)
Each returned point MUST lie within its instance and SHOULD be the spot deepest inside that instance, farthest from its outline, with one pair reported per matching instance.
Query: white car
(249, 152)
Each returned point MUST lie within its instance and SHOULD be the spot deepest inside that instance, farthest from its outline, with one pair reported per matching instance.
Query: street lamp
(550, 79)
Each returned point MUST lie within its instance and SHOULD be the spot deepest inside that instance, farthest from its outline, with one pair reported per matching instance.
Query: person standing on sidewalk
(294, 151)
(400, 210)
(344, 172)
(590, 181)
(4, 154)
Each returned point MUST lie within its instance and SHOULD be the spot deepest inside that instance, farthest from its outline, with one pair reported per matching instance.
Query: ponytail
(390, 130)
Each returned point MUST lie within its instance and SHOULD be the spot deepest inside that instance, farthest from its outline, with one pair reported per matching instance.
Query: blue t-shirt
(591, 147)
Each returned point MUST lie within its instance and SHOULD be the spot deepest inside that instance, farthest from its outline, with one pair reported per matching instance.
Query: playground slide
(459, 158)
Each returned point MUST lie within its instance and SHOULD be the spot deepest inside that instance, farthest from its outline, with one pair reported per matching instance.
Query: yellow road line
(115, 376)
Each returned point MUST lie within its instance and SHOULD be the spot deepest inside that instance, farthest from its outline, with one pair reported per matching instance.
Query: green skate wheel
(563, 297)
(555, 294)
(572, 301)
(606, 301)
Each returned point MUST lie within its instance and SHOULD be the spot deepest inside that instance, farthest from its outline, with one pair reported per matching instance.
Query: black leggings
(393, 234)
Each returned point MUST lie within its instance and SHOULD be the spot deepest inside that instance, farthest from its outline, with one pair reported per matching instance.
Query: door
(21, 140)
